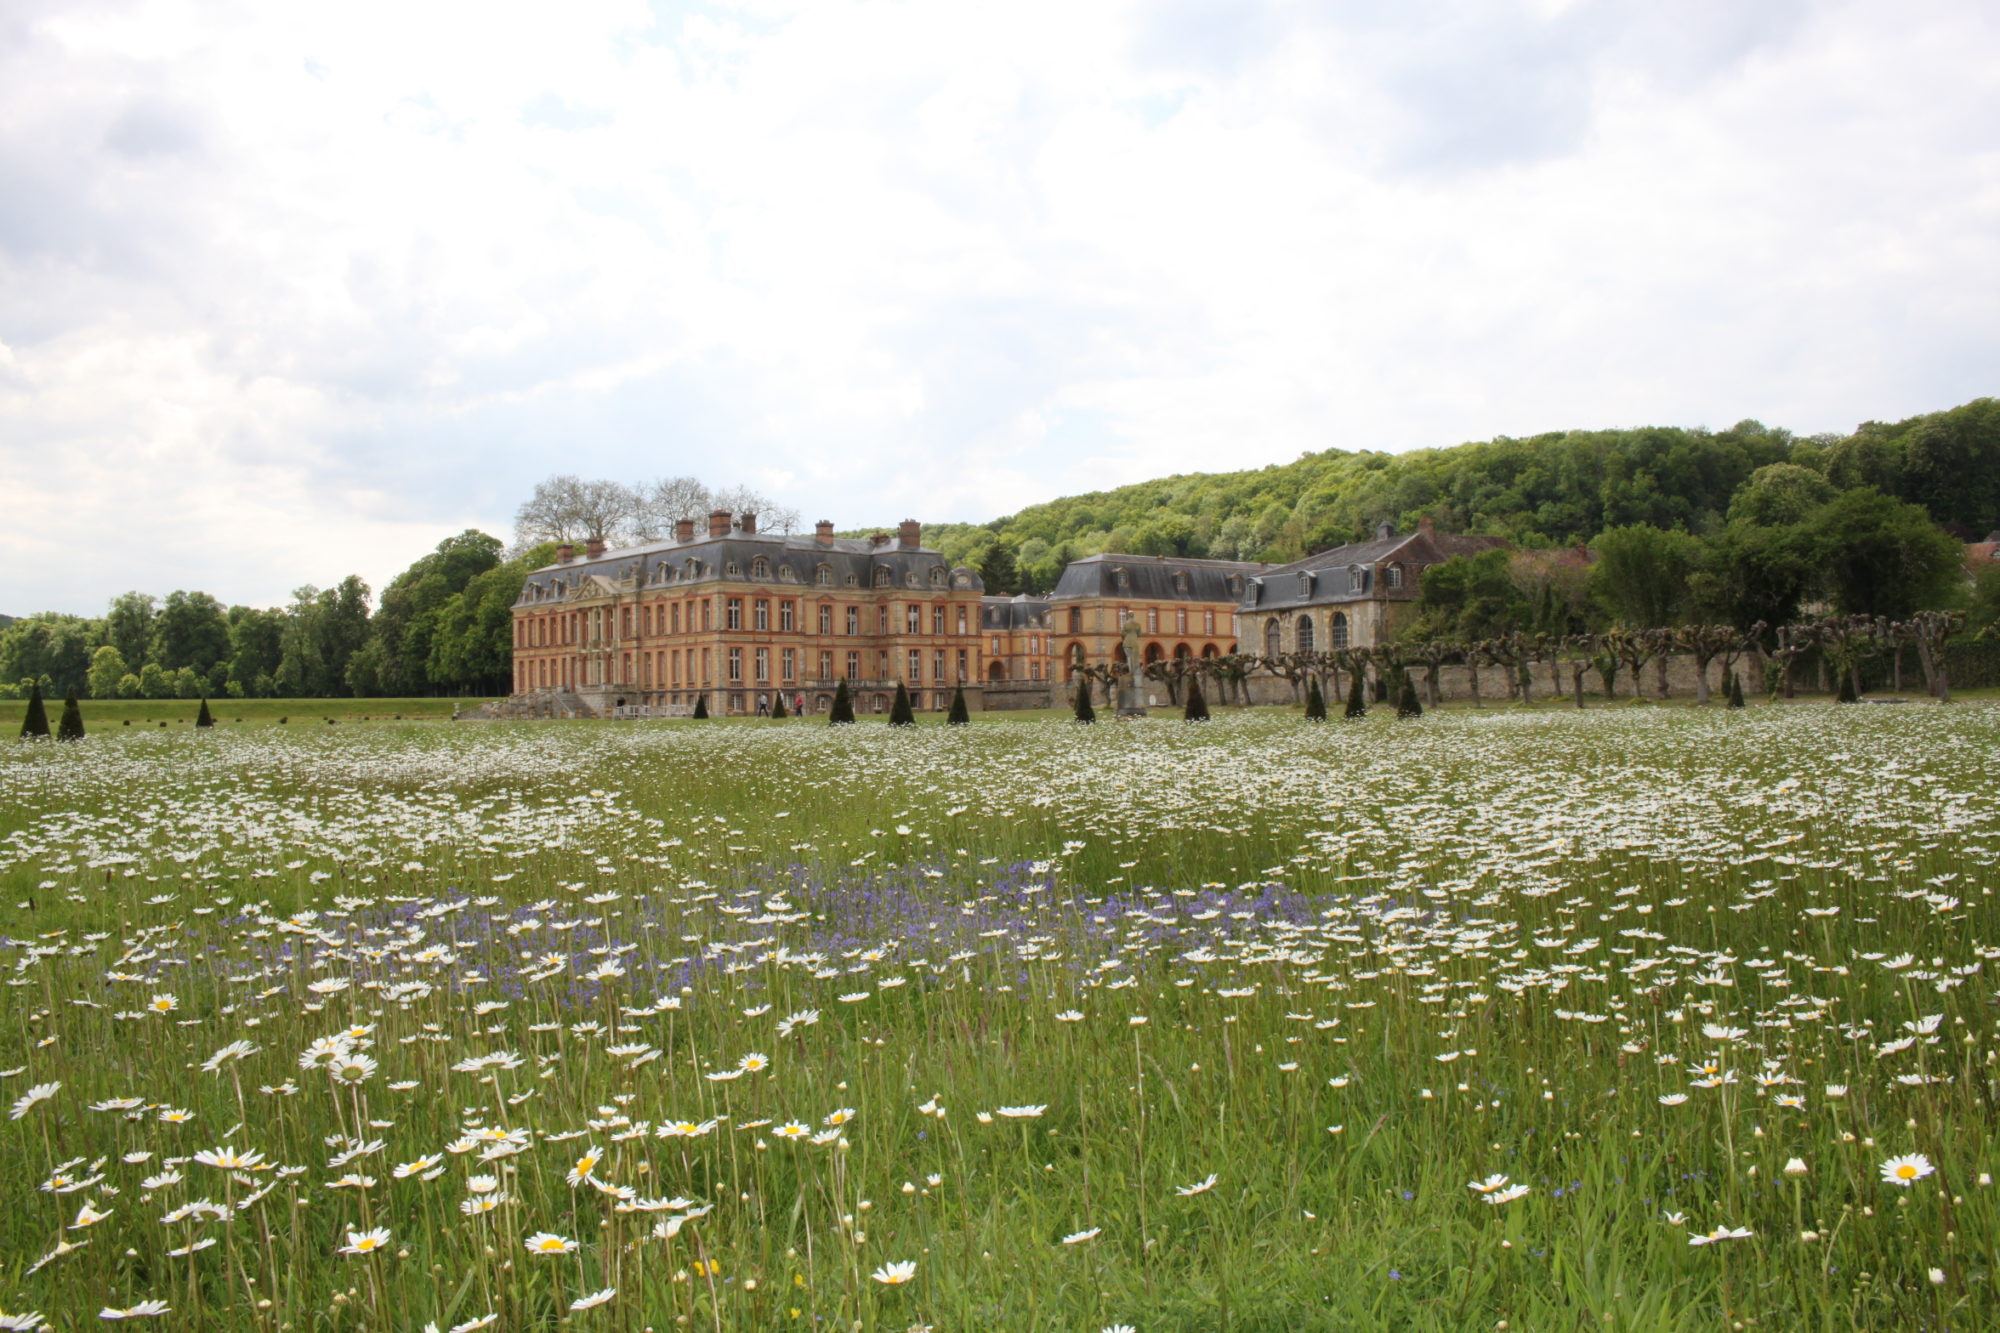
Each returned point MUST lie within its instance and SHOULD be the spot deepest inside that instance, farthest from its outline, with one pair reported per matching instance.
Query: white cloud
(290, 293)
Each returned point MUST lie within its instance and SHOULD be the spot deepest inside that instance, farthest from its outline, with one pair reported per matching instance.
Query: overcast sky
(293, 291)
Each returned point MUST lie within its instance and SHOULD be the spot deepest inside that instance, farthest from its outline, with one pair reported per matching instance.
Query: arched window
(937, 577)
(996, 671)
(1273, 638)
(1182, 652)
(1338, 630)
(1305, 633)
(823, 577)
(881, 576)
(1153, 652)
(760, 568)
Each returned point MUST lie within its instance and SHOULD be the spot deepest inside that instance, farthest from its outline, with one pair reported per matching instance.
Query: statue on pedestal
(1132, 694)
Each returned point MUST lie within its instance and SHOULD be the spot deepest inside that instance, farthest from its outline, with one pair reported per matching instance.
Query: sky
(289, 292)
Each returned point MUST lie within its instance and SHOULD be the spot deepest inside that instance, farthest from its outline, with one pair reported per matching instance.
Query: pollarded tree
(900, 712)
(71, 726)
(35, 726)
(842, 712)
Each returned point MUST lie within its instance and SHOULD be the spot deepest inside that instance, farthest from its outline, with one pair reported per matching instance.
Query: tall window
(786, 620)
(853, 620)
(1152, 620)
(763, 666)
(1395, 578)
(675, 617)
(882, 625)
(1273, 638)
(826, 620)
(996, 645)
(1337, 631)
(937, 620)
(916, 664)
(1305, 633)
(961, 664)
(735, 613)
(1076, 620)
(736, 664)
(961, 620)
(854, 666)
(761, 613)
(791, 663)
(913, 620)
(823, 577)
(826, 664)
(1208, 622)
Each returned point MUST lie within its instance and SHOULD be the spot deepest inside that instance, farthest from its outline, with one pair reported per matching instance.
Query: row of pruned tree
(1844, 644)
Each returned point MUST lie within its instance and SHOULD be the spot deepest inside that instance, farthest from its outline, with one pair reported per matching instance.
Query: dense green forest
(1551, 490)
(1749, 524)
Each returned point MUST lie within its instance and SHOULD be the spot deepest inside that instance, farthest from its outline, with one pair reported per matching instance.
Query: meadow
(1649, 1018)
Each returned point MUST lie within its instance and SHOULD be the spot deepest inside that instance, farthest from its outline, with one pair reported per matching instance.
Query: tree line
(444, 626)
(1544, 492)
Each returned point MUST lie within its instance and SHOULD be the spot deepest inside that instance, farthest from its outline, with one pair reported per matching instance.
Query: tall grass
(1635, 962)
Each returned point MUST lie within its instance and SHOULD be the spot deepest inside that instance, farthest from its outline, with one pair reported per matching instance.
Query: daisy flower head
(26, 1322)
(41, 1092)
(1079, 1237)
(754, 1063)
(1021, 1112)
(147, 1309)
(1721, 1234)
(895, 1274)
(1508, 1195)
(1907, 1170)
(594, 1299)
(1199, 1187)
(365, 1242)
(584, 1166)
(548, 1242)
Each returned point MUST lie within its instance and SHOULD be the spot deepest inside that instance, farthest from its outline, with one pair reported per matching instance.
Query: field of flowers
(1645, 1018)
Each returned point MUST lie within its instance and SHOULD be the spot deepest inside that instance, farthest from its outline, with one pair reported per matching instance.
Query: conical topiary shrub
(1735, 690)
(1084, 712)
(204, 718)
(958, 716)
(1848, 694)
(71, 726)
(778, 707)
(1357, 699)
(1406, 702)
(842, 714)
(1197, 707)
(1315, 702)
(701, 705)
(35, 725)
(900, 712)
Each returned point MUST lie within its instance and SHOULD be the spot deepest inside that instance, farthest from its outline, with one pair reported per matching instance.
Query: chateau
(736, 618)
(739, 618)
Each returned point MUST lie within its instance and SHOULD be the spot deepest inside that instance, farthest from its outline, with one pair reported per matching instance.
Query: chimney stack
(823, 532)
(1424, 526)
(718, 522)
(565, 553)
(1384, 530)
(683, 530)
(747, 522)
(908, 533)
(594, 548)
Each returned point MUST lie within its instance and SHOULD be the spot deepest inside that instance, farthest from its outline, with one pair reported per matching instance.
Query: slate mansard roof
(1155, 578)
(1329, 578)
(1005, 613)
(788, 560)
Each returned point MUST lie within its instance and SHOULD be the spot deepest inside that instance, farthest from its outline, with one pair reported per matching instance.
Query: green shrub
(36, 724)
(900, 712)
(1315, 702)
(958, 716)
(71, 726)
(842, 713)
(1197, 707)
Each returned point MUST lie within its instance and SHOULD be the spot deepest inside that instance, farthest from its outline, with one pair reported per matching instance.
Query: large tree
(1882, 556)
(1641, 574)
(191, 630)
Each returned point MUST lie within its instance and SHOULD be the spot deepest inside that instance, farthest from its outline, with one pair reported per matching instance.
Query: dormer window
(786, 575)
(852, 581)
(937, 577)
(734, 569)
(1305, 583)
(1123, 577)
(760, 568)
(1357, 578)
(1236, 585)
(881, 576)
(1180, 580)
(823, 577)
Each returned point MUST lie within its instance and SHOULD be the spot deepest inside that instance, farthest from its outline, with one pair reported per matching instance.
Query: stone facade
(737, 616)
(1185, 608)
(1352, 596)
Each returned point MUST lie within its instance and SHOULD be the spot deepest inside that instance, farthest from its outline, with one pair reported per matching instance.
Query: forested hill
(1548, 490)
